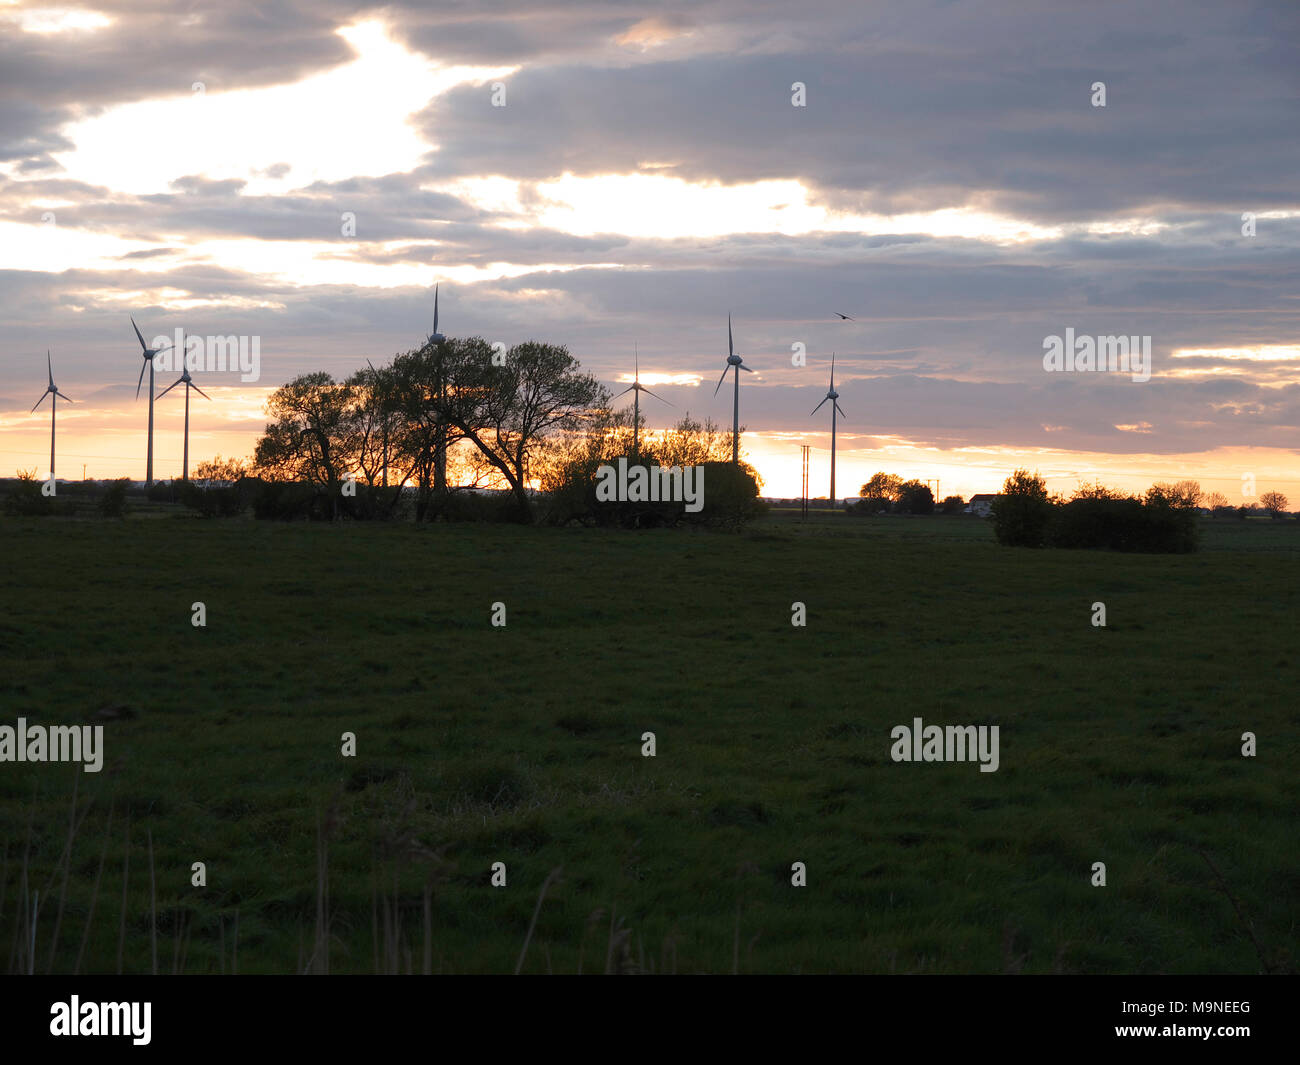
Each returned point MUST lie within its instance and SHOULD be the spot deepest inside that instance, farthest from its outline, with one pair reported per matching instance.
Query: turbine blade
(141, 379)
(630, 388)
(200, 391)
(49, 366)
(143, 345)
(730, 350)
(745, 368)
(636, 361)
(169, 388)
(62, 396)
(435, 309)
(721, 379)
(840, 409)
(819, 406)
(659, 398)
(832, 371)
(39, 401)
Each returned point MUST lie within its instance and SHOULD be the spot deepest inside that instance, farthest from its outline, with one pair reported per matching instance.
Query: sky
(614, 176)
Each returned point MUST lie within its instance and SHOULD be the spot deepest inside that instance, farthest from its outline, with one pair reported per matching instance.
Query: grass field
(479, 744)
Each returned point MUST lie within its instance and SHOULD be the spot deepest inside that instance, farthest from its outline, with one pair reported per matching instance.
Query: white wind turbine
(53, 392)
(149, 354)
(636, 388)
(733, 360)
(188, 382)
(834, 397)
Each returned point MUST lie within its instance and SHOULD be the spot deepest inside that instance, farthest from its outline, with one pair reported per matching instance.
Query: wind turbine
(437, 337)
(636, 389)
(149, 354)
(54, 394)
(834, 397)
(188, 382)
(733, 360)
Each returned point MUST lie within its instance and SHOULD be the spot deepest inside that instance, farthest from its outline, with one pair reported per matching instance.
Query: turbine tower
(374, 376)
(637, 388)
(149, 354)
(440, 433)
(834, 397)
(53, 392)
(733, 360)
(188, 382)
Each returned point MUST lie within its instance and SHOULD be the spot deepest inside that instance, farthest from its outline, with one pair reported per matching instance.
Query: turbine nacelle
(52, 388)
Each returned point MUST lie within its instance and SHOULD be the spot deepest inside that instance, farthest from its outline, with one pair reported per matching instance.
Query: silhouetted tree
(1182, 495)
(882, 486)
(1274, 502)
(309, 437)
(219, 469)
(1021, 513)
(508, 411)
(1097, 490)
(915, 497)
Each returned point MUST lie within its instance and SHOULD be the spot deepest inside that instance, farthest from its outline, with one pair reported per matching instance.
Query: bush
(869, 506)
(1021, 513)
(915, 497)
(24, 499)
(288, 501)
(210, 502)
(729, 497)
(113, 502)
(1123, 525)
(477, 506)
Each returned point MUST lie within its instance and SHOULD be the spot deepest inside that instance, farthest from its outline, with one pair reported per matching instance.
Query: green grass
(523, 745)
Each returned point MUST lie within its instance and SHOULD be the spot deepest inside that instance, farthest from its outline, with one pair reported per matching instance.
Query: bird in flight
(846, 317)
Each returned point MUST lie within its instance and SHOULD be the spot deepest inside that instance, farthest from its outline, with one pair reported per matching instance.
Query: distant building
(980, 505)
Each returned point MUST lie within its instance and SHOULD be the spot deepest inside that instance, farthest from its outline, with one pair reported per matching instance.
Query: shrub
(869, 506)
(1123, 525)
(289, 501)
(1021, 513)
(730, 497)
(24, 499)
(112, 503)
(210, 502)
(478, 506)
(915, 497)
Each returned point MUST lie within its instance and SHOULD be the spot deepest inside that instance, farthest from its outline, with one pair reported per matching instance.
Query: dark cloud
(912, 107)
